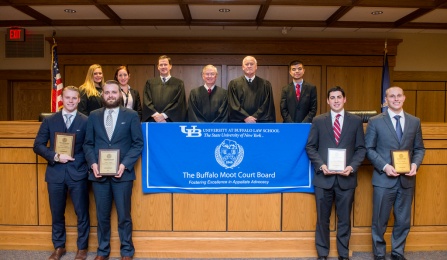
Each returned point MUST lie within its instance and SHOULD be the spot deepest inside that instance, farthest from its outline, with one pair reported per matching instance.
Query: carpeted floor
(43, 255)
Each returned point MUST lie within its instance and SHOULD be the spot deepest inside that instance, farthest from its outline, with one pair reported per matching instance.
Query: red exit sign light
(15, 34)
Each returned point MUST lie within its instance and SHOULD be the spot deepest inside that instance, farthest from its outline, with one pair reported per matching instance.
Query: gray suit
(338, 188)
(380, 139)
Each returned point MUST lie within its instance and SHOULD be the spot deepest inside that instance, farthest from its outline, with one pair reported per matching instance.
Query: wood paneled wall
(211, 226)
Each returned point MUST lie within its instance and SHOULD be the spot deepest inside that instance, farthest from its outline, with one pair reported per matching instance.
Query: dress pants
(58, 198)
(383, 200)
(343, 206)
(105, 193)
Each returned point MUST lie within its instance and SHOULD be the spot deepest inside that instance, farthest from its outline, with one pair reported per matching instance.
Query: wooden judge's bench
(212, 226)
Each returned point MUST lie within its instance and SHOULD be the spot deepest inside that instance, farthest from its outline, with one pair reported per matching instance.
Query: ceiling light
(377, 12)
(224, 10)
(70, 11)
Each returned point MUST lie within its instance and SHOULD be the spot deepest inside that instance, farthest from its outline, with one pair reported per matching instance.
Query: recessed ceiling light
(224, 10)
(70, 11)
(377, 12)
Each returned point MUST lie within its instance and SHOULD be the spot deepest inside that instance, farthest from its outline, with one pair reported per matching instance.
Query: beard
(114, 104)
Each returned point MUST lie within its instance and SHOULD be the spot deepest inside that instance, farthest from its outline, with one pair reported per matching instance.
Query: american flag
(56, 90)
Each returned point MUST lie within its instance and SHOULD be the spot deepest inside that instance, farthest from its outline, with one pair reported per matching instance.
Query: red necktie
(209, 91)
(298, 92)
(337, 129)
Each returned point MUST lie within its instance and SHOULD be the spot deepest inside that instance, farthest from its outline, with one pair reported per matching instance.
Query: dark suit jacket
(321, 137)
(136, 101)
(127, 137)
(77, 169)
(88, 104)
(302, 111)
(381, 138)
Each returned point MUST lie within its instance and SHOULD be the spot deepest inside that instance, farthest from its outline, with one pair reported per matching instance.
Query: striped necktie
(337, 129)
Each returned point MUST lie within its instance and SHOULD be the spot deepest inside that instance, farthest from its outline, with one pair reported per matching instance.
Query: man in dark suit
(250, 98)
(208, 103)
(113, 127)
(299, 98)
(66, 173)
(164, 97)
(394, 129)
(342, 131)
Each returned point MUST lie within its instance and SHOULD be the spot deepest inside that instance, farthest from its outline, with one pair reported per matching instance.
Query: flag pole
(385, 78)
(56, 79)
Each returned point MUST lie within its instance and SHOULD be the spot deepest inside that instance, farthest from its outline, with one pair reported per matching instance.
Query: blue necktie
(398, 127)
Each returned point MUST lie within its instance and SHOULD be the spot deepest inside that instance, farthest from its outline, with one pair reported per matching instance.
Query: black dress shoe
(343, 258)
(397, 257)
(322, 258)
(376, 257)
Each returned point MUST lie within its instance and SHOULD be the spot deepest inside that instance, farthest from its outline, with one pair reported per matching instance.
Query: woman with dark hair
(131, 97)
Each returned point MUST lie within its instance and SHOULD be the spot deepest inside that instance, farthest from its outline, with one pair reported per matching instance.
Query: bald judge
(250, 98)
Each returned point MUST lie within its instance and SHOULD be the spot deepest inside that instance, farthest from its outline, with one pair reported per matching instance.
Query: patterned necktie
(398, 127)
(337, 129)
(109, 124)
(298, 92)
(209, 91)
(164, 81)
(68, 120)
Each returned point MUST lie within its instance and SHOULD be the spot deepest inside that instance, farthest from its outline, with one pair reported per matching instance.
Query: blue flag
(385, 82)
(225, 158)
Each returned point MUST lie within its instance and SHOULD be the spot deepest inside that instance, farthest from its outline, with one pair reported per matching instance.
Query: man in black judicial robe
(164, 97)
(208, 103)
(250, 97)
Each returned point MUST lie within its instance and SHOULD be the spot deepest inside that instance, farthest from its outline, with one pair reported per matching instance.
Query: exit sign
(15, 34)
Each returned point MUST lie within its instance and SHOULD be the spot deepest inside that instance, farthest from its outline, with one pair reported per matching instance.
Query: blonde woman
(91, 90)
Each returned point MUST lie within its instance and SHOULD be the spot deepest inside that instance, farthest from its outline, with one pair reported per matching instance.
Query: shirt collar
(334, 114)
(298, 82)
(252, 78)
(116, 109)
(392, 114)
(206, 87)
(167, 78)
(72, 113)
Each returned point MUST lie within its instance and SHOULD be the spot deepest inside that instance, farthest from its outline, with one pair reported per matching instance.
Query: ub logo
(191, 132)
(229, 154)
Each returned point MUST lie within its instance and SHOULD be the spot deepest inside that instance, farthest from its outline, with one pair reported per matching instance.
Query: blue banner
(225, 158)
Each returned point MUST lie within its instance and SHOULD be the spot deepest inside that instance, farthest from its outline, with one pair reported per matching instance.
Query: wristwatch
(57, 157)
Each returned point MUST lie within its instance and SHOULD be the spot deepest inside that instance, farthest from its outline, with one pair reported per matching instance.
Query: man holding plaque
(112, 146)
(393, 133)
(66, 171)
(335, 147)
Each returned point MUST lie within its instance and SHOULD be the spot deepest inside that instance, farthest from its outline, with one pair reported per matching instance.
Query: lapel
(74, 123)
(329, 129)
(408, 125)
(292, 92)
(119, 121)
(102, 122)
(346, 125)
(389, 124)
